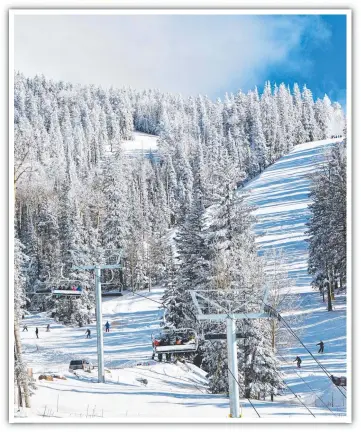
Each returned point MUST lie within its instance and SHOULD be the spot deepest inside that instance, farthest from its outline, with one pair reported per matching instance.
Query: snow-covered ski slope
(179, 392)
(281, 197)
(280, 194)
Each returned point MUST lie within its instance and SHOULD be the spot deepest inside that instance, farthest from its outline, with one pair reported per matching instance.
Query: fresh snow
(141, 143)
(179, 391)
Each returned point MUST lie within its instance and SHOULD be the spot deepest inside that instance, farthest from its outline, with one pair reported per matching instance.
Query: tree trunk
(18, 351)
(273, 343)
(20, 397)
(329, 300)
(333, 283)
(273, 335)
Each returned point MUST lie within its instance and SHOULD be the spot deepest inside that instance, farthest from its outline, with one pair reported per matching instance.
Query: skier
(299, 361)
(107, 326)
(37, 333)
(321, 344)
(25, 327)
(87, 334)
(48, 328)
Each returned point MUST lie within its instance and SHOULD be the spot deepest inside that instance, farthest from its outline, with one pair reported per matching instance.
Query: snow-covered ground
(141, 144)
(178, 391)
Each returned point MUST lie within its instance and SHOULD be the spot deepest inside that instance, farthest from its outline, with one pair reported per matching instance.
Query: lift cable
(291, 331)
(280, 376)
(313, 391)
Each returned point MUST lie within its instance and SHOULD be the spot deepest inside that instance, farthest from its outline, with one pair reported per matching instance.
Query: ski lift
(339, 381)
(168, 341)
(71, 288)
(42, 291)
(76, 291)
(64, 287)
(112, 292)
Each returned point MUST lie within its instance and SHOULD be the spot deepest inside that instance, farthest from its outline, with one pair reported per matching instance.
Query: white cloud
(186, 54)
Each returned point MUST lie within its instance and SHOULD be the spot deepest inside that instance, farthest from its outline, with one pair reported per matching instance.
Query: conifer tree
(327, 225)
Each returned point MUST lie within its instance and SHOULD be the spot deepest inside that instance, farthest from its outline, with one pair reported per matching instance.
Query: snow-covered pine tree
(285, 136)
(159, 223)
(300, 133)
(74, 250)
(323, 116)
(338, 119)
(192, 267)
(184, 181)
(327, 225)
(259, 364)
(259, 159)
(114, 216)
(308, 116)
(171, 187)
(269, 118)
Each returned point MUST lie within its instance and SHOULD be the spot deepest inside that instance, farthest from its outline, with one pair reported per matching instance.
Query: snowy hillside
(179, 391)
(280, 194)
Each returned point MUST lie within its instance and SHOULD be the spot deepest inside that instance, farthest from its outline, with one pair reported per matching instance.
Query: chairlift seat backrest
(175, 340)
(65, 293)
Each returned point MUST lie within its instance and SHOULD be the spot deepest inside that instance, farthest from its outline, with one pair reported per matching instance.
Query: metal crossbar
(203, 302)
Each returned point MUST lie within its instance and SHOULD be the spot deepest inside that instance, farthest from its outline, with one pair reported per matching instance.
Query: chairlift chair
(112, 293)
(164, 341)
(67, 293)
(42, 291)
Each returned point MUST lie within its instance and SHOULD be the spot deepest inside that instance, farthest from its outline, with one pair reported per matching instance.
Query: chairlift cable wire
(291, 331)
(313, 391)
(280, 376)
(264, 360)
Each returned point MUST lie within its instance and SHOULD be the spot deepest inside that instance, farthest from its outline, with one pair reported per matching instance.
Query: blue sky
(188, 54)
(324, 60)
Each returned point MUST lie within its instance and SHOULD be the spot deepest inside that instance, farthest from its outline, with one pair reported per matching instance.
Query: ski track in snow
(176, 390)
